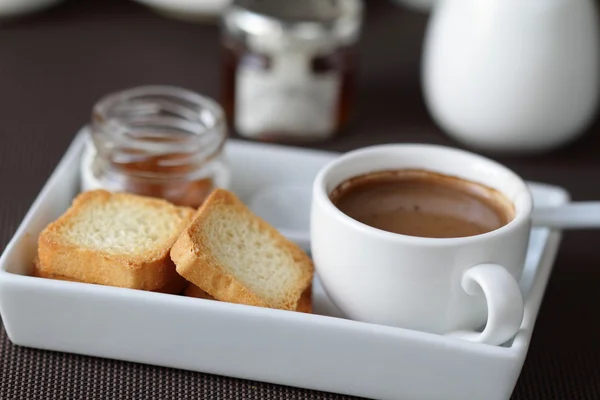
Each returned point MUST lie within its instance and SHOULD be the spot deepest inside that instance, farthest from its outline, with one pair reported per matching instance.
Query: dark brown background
(53, 66)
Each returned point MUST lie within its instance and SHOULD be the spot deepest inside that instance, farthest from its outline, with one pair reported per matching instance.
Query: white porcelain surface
(512, 75)
(577, 215)
(423, 283)
(255, 343)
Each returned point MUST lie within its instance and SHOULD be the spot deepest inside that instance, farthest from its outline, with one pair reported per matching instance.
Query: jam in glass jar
(158, 141)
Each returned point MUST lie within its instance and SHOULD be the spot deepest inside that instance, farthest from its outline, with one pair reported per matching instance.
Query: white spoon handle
(583, 215)
(570, 216)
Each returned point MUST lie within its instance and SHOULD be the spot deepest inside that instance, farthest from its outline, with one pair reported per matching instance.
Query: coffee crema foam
(423, 203)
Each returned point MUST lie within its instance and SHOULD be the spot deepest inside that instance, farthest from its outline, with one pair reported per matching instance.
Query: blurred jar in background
(289, 67)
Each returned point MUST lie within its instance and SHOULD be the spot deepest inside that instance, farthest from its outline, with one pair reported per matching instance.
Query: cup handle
(504, 303)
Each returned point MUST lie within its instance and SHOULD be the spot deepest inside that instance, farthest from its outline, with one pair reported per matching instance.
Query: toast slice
(236, 257)
(175, 286)
(114, 239)
(192, 290)
(304, 303)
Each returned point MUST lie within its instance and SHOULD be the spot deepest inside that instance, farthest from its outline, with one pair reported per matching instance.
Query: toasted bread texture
(304, 303)
(235, 256)
(192, 290)
(176, 286)
(114, 239)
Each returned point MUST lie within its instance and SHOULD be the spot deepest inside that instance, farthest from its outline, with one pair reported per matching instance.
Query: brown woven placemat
(35, 374)
(54, 65)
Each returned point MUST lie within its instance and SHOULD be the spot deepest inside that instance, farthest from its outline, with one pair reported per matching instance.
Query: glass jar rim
(246, 18)
(107, 101)
(199, 120)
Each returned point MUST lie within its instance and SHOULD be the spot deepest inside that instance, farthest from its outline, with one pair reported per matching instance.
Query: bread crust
(175, 286)
(192, 290)
(151, 271)
(304, 303)
(195, 261)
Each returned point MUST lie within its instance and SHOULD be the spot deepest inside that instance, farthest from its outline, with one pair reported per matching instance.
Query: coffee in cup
(422, 203)
(384, 254)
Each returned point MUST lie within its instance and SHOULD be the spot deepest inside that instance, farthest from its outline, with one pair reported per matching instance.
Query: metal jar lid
(302, 22)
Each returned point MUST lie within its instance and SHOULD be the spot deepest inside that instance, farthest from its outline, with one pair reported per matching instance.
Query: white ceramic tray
(321, 351)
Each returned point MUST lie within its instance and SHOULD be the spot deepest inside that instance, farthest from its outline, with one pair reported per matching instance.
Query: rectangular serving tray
(322, 351)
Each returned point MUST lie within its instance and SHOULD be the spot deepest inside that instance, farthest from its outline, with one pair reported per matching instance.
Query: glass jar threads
(289, 67)
(157, 141)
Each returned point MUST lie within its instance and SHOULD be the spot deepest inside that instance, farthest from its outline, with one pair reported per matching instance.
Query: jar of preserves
(157, 141)
(289, 67)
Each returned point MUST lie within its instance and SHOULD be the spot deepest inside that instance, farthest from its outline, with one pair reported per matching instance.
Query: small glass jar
(289, 67)
(157, 141)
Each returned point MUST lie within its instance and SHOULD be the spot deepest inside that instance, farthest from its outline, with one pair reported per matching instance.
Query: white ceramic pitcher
(514, 76)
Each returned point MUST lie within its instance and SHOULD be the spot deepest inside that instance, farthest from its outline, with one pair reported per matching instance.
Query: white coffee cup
(445, 286)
